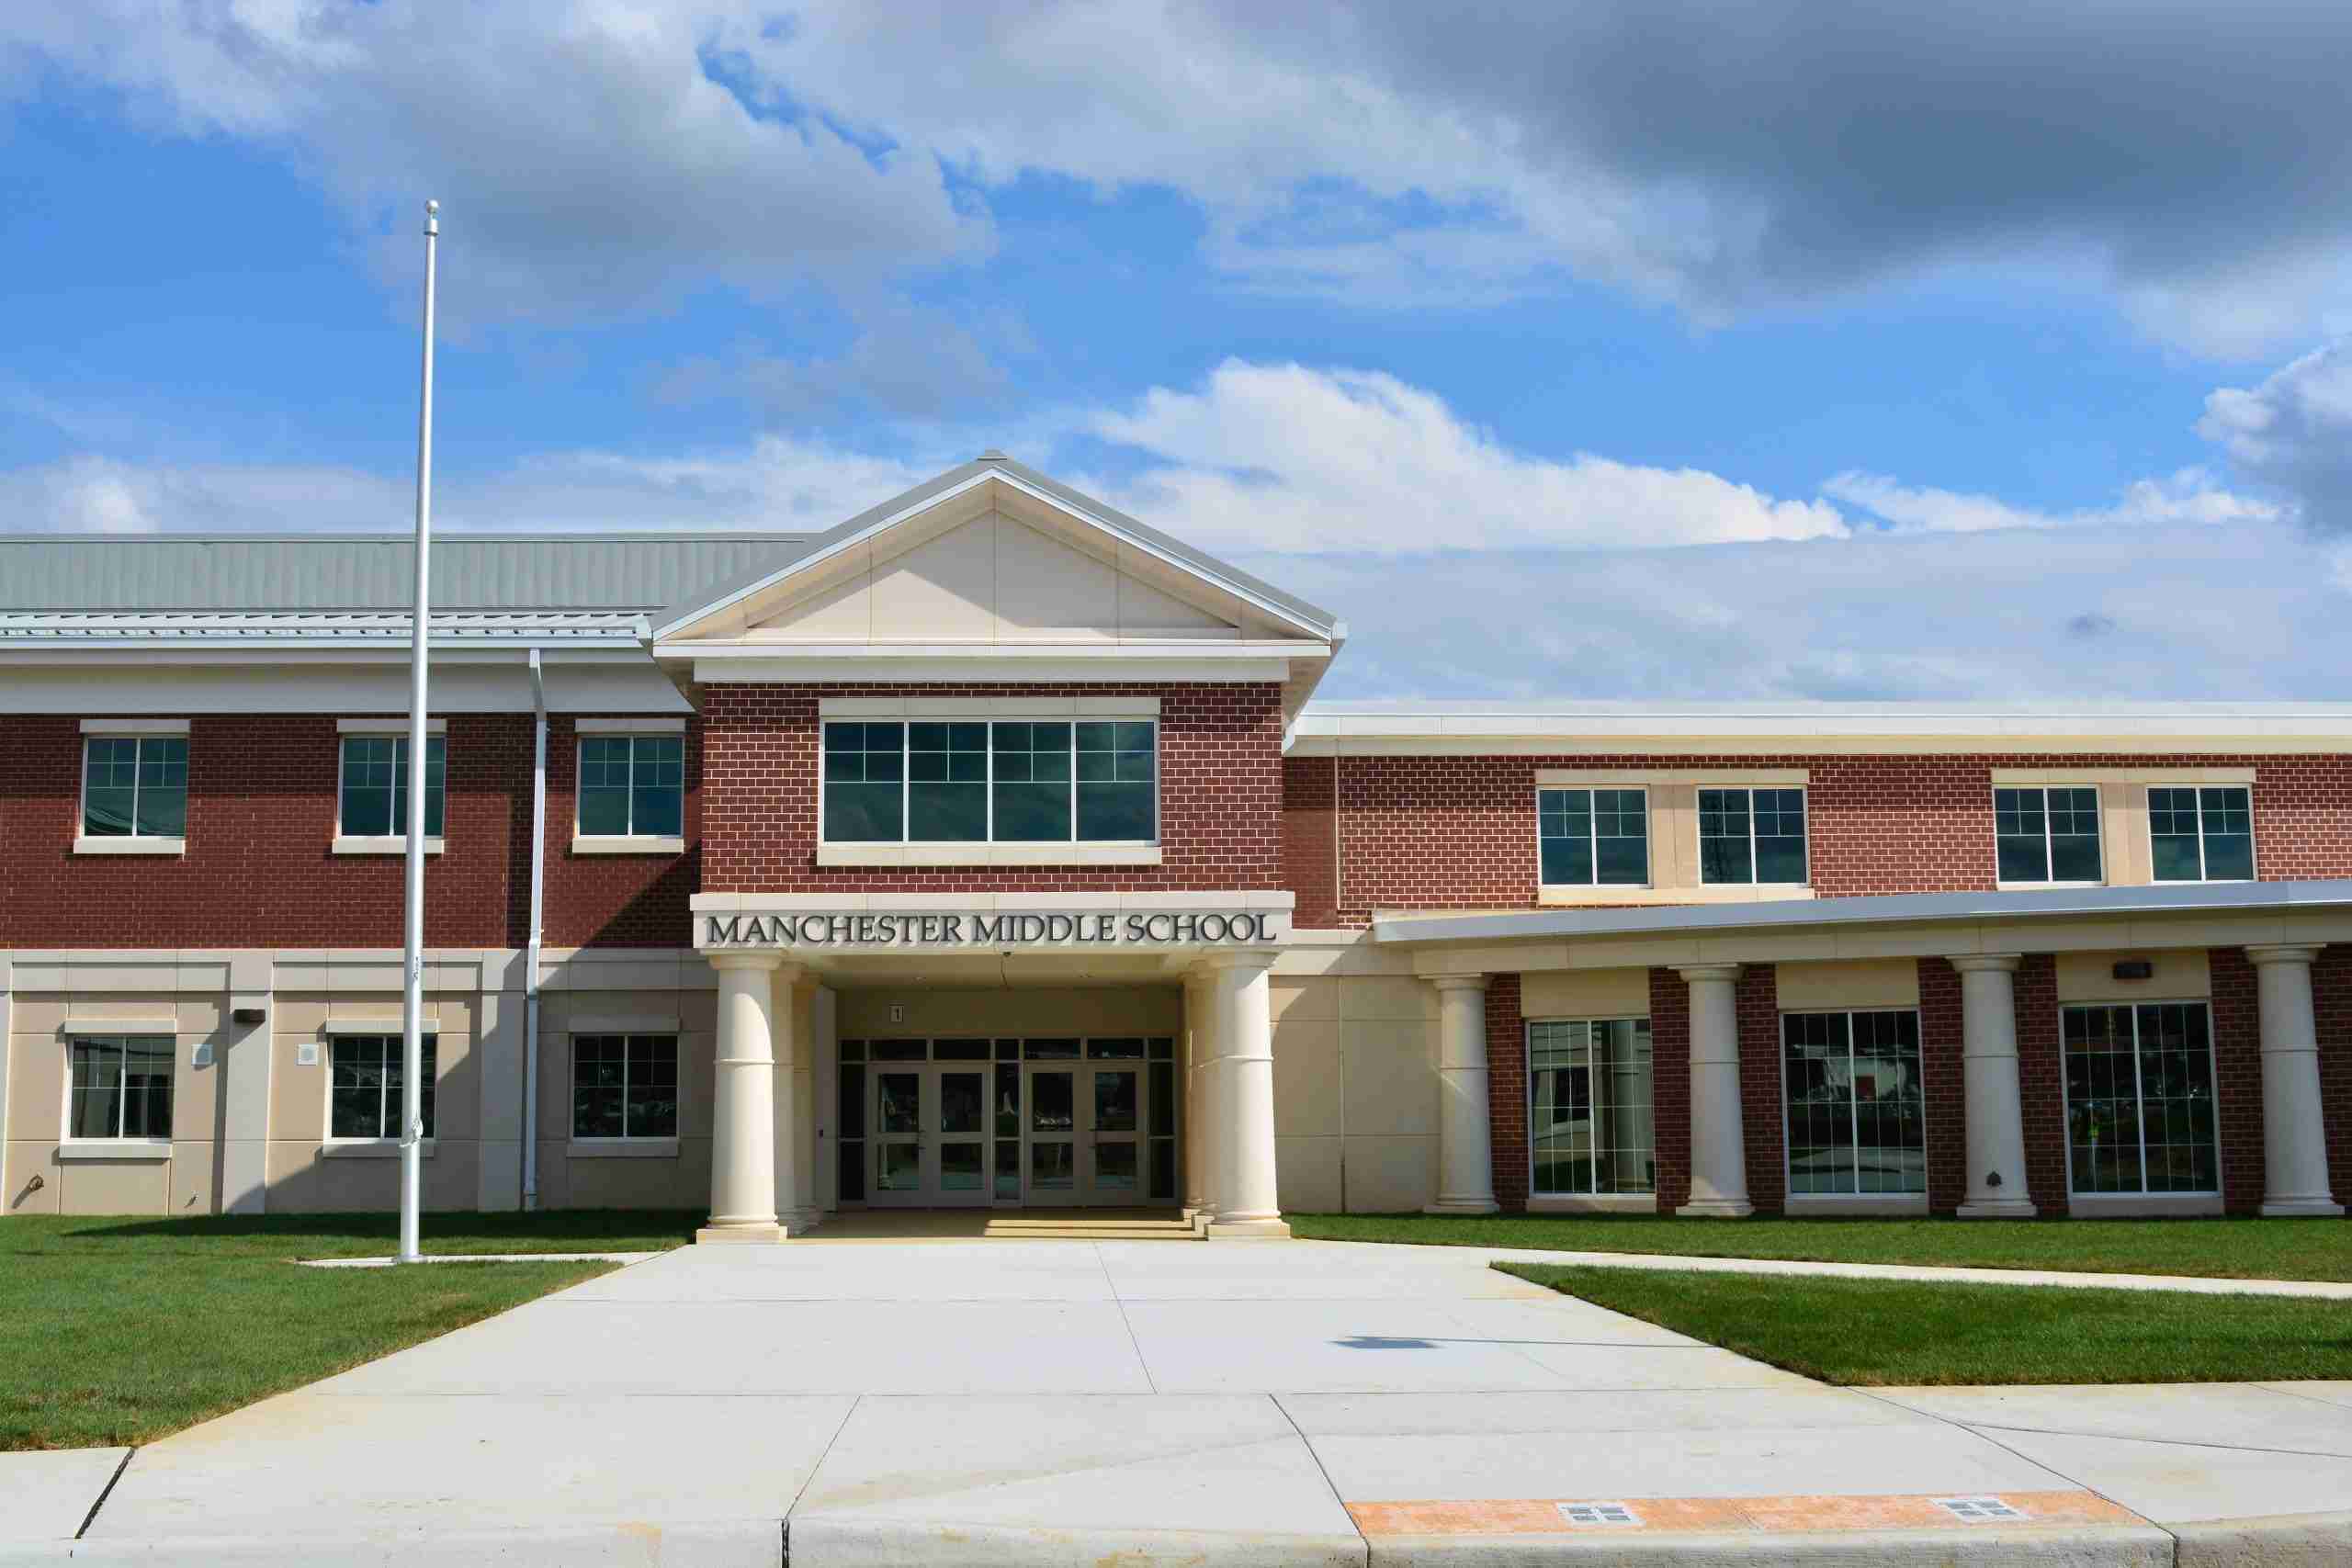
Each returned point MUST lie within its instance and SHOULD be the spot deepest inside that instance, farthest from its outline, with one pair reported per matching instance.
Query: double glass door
(1085, 1133)
(931, 1134)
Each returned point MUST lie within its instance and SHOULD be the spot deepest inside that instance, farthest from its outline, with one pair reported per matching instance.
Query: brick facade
(1763, 1122)
(2041, 1083)
(2331, 1001)
(1671, 1086)
(1220, 793)
(1943, 1085)
(2237, 1079)
(1507, 1090)
(1459, 832)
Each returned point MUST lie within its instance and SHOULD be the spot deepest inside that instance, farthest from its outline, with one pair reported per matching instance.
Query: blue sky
(1807, 350)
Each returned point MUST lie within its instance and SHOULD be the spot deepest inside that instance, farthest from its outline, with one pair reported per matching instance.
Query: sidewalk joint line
(105, 1492)
(2028, 1459)
(790, 1509)
(1324, 1471)
(2167, 1442)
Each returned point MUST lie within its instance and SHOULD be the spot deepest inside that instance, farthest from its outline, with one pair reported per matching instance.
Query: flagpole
(413, 951)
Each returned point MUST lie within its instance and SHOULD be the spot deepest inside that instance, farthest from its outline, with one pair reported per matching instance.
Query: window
(2139, 1098)
(979, 781)
(1590, 1126)
(2201, 835)
(2047, 835)
(375, 785)
(632, 787)
(1593, 837)
(122, 1087)
(365, 1086)
(1857, 1114)
(1751, 835)
(135, 786)
(623, 1086)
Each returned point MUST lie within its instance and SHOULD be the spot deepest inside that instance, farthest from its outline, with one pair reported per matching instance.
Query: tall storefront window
(1857, 1114)
(1589, 1121)
(2140, 1113)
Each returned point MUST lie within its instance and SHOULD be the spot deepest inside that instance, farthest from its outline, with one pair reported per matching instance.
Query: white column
(1197, 1158)
(743, 1132)
(1718, 1152)
(795, 1009)
(2294, 1130)
(1243, 1098)
(1991, 1104)
(1465, 1167)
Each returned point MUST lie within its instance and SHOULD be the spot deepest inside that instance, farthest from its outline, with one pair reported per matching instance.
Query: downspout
(531, 945)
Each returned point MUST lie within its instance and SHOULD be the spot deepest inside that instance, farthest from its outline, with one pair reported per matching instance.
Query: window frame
(1639, 1029)
(1853, 1109)
(2253, 840)
(1592, 835)
(122, 1092)
(677, 1105)
(1698, 832)
(2048, 847)
(348, 841)
(140, 739)
(395, 1044)
(989, 842)
(2144, 1192)
(635, 737)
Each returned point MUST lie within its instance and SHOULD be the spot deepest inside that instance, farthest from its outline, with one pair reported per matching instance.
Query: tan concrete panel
(1384, 1175)
(1012, 1011)
(1674, 835)
(1145, 609)
(1304, 999)
(192, 1178)
(2181, 975)
(159, 1002)
(302, 1017)
(43, 1014)
(456, 1087)
(944, 588)
(1382, 997)
(679, 1183)
(1389, 1078)
(555, 1174)
(843, 609)
(1855, 983)
(697, 1083)
(36, 1088)
(202, 1014)
(500, 1188)
(1306, 1175)
(1307, 1079)
(194, 1093)
(21, 1159)
(1045, 585)
(112, 1187)
(298, 1095)
(1585, 993)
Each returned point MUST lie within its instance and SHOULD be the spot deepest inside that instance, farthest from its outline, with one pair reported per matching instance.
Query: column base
(800, 1222)
(733, 1234)
(1997, 1209)
(1718, 1209)
(1245, 1230)
(2303, 1208)
(1463, 1206)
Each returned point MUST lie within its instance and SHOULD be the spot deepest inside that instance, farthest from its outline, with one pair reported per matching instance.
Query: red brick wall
(1310, 846)
(1220, 793)
(2237, 1078)
(1507, 1090)
(1943, 1085)
(1671, 1086)
(1459, 832)
(1763, 1124)
(2331, 1000)
(2041, 1084)
(614, 900)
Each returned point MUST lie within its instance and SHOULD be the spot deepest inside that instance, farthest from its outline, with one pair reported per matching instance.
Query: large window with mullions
(2140, 1105)
(1857, 1111)
(991, 781)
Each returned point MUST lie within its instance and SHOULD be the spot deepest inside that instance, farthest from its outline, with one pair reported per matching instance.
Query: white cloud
(2293, 431)
(2188, 495)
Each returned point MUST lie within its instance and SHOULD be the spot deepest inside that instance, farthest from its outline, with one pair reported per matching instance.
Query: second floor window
(1005, 781)
(2047, 834)
(368, 1084)
(1593, 837)
(375, 785)
(135, 786)
(1751, 835)
(122, 1087)
(2201, 835)
(632, 787)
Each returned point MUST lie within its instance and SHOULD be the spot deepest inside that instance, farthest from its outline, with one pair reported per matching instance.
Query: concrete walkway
(1261, 1402)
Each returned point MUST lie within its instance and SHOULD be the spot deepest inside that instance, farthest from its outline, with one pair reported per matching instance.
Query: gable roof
(1308, 618)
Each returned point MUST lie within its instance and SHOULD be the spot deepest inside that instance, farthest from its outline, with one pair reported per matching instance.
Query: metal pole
(412, 953)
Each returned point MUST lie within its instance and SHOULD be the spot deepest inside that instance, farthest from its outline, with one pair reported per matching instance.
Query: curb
(2100, 1546)
(836, 1542)
(2273, 1541)
(742, 1543)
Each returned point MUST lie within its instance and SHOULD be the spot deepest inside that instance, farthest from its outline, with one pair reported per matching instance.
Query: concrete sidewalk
(1072, 1402)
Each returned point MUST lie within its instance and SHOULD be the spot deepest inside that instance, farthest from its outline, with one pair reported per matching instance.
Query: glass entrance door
(960, 1167)
(1115, 1149)
(930, 1136)
(898, 1124)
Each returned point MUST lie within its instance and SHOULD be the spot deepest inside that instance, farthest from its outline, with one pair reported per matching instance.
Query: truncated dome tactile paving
(1732, 1516)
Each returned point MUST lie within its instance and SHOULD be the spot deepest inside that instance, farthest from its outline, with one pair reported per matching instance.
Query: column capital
(745, 958)
(1724, 972)
(2284, 952)
(1209, 963)
(1985, 962)
(1457, 982)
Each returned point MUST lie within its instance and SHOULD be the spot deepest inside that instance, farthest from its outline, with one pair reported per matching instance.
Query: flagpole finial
(431, 217)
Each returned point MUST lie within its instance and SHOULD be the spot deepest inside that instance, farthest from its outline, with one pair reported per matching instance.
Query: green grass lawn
(2220, 1249)
(1883, 1331)
(120, 1330)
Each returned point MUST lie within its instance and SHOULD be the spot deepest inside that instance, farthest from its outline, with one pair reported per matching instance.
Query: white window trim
(1072, 850)
(345, 843)
(334, 1147)
(1698, 833)
(2143, 1200)
(2049, 851)
(2254, 841)
(1589, 1202)
(1855, 1201)
(642, 1144)
(969, 708)
(631, 843)
(133, 842)
(70, 1146)
(1592, 839)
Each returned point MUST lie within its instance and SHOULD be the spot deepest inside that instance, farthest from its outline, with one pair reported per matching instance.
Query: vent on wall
(2135, 969)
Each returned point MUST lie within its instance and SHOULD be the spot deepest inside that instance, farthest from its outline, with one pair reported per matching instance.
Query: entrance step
(1000, 1225)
